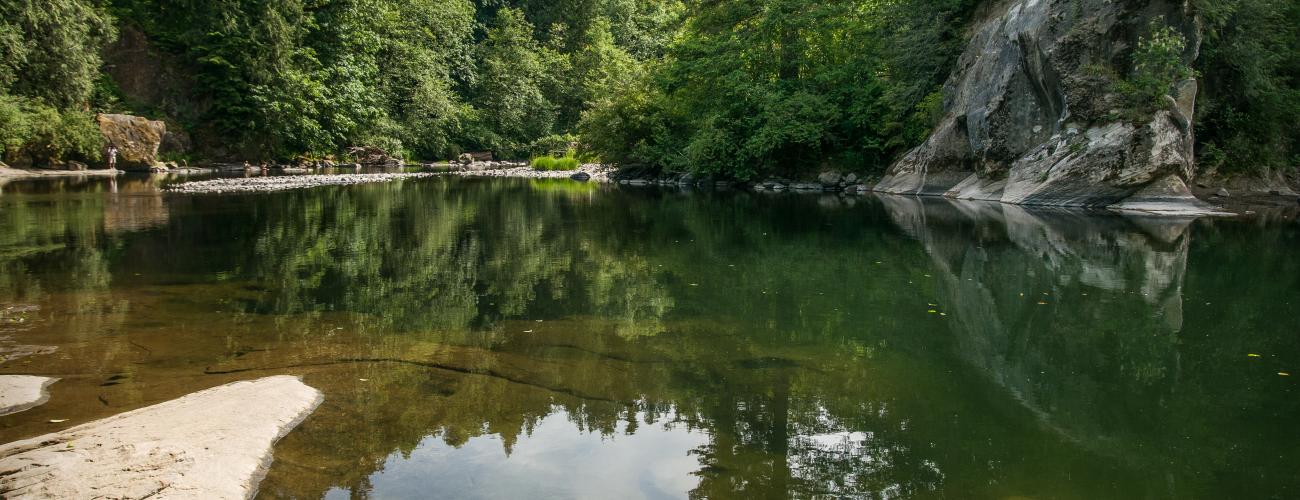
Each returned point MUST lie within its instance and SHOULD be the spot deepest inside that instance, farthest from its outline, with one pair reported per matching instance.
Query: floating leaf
(932, 311)
(1284, 374)
(1252, 355)
(59, 421)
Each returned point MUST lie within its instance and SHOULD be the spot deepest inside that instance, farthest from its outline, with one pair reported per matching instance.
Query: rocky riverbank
(286, 183)
(1238, 195)
(1155, 199)
(589, 172)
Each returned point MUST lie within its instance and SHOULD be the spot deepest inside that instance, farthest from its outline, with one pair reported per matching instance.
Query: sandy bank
(18, 173)
(213, 444)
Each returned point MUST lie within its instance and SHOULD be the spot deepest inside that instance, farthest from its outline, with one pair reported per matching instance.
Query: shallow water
(508, 339)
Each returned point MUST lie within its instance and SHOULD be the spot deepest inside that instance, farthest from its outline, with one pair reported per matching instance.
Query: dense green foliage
(49, 66)
(782, 84)
(33, 133)
(728, 87)
(1250, 94)
(429, 78)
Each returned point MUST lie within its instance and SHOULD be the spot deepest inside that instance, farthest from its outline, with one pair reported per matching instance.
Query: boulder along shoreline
(214, 443)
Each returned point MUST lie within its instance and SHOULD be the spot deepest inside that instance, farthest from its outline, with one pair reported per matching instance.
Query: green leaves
(33, 133)
(1250, 89)
(49, 49)
(1157, 65)
(512, 73)
(785, 85)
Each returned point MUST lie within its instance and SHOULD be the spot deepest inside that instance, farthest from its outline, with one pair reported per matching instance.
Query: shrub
(1157, 65)
(32, 131)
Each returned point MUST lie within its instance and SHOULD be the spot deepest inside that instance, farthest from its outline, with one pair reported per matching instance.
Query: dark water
(515, 339)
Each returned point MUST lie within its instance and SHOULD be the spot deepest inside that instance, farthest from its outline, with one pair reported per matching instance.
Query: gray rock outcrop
(1033, 117)
(211, 444)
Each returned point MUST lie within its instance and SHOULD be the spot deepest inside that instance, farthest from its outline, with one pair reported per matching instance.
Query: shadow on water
(490, 338)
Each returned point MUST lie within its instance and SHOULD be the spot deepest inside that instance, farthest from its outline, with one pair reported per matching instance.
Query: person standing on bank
(112, 157)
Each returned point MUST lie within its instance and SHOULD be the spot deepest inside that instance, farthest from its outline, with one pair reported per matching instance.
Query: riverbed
(547, 338)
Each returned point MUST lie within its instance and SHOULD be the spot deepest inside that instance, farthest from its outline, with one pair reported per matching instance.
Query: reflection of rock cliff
(1033, 115)
(1004, 271)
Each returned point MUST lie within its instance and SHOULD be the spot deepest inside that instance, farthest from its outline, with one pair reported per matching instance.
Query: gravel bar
(286, 183)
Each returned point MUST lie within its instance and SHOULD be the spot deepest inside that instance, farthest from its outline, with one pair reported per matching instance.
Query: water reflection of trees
(765, 323)
(440, 257)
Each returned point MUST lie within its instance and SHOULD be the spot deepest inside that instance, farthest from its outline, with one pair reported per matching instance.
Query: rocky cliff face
(1032, 116)
(137, 139)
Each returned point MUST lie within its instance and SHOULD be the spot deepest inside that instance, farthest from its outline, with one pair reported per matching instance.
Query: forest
(726, 87)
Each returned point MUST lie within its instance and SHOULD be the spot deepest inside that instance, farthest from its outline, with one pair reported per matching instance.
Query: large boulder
(136, 138)
(214, 444)
(830, 178)
(1033, 115)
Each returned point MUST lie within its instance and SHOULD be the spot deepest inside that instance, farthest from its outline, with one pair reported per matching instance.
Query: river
(489, 338)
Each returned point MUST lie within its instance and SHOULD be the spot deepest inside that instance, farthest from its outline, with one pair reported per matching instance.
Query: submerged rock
(23, 392)
(1031, 110)
(211, 444)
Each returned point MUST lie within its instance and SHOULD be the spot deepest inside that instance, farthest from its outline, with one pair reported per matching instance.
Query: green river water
(551, 339)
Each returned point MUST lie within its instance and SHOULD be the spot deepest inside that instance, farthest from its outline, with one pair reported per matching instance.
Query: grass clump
(548, 163)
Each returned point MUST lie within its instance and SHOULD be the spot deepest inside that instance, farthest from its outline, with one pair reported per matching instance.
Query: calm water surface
(525, 339)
